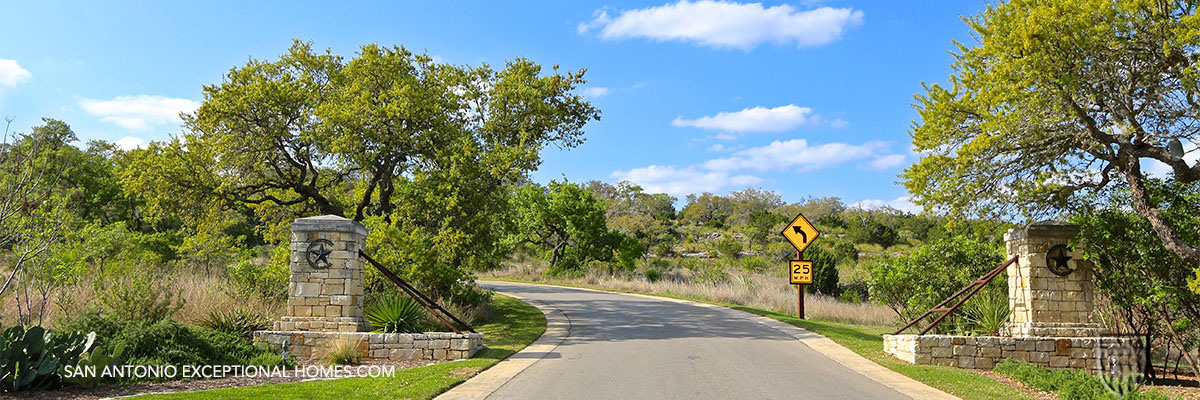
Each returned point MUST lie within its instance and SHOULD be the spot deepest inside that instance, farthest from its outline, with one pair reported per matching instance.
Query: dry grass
(201, 295)
(758, 290)
(343, 350)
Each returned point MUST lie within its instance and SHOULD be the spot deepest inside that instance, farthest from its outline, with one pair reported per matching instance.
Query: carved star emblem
(318, 253)
(1057, 259)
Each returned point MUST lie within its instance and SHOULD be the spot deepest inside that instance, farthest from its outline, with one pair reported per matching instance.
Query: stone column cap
(1043, 229)
(328, 223)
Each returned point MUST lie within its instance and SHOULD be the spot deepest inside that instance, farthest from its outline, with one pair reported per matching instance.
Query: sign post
(800, 233)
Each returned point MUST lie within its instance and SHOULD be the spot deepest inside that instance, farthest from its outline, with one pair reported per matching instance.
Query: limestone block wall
(1043, 303)
(983, 352)
(376, 347)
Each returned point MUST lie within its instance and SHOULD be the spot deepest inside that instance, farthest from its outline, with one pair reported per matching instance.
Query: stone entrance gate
(1051, 298)
(325, 302)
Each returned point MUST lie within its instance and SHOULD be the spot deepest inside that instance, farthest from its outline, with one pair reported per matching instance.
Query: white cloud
(720, 148)
(595, 92)
(902, 203)
(757, 119)
(886, 162)
(722, 173)
(130, 143)
(680, 182)
(795, 154)
(11, 73)
(726, 24)
(139, 112)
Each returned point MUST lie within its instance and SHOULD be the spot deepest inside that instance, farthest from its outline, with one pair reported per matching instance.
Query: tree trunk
(1141, 204)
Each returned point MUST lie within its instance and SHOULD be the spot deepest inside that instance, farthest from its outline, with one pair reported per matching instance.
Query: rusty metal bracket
(973, 288)
(425, 301)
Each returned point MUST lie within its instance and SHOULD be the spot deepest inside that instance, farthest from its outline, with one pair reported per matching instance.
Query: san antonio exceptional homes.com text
(226, 371)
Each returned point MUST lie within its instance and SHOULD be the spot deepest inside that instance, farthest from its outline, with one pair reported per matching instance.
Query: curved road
(622, 346)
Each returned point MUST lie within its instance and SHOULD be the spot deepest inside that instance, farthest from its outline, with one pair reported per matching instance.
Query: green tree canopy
(566, 220)
(1057, 102)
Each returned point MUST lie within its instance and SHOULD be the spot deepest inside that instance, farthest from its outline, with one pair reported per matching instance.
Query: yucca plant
(396, 314)
(987, 312)
(239, 321)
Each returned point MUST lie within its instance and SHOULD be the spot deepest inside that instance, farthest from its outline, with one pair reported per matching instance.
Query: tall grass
(201, 295)
(765, 290)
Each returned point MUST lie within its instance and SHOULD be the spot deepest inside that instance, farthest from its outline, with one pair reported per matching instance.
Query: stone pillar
(326, 289)
(1045, 303)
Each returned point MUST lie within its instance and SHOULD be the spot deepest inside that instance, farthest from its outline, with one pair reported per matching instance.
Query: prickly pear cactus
(30, 359)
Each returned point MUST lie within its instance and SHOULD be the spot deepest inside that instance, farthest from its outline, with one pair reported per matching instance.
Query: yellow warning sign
(802, 272)
(800, 232)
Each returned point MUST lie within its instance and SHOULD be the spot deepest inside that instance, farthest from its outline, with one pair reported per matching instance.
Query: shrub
(825, 272)
(136, 295)
(853, 292)
(1068, 384)
(30, 359)
(653, 275)
(914, 283)
(269, 281)
(755, 264)
(396, 314)
(239, 321)
(344, 350)
(729, 247)
(711, 273)
(169, 342)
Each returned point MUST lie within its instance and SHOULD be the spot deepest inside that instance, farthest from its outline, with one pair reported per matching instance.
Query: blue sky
(803, 98)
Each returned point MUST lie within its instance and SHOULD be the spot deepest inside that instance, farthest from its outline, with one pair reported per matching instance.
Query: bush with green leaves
(169, 342)
(241, 321)
(1147, 283)
(269, 281)
(912, 284)
(652, 275)
(755, 264)
(396, 314)
(34, 358)
(825, 272)
(1068, 384)
(729, 247)
(136, 294)
(710, 273)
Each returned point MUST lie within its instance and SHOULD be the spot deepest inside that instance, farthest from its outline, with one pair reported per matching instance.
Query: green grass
(867, 341)
(516, 325)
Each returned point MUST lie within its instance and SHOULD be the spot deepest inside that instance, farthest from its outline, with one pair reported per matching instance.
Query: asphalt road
(633, 347)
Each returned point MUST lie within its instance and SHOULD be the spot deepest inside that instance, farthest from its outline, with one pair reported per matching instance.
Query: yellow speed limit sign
(802, 272)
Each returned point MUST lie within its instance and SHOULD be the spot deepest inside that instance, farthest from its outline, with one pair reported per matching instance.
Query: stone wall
(376, 347)
(1044, 304)
(983, 352)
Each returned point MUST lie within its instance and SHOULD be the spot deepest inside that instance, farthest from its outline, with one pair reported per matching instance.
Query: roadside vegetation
(515, 325)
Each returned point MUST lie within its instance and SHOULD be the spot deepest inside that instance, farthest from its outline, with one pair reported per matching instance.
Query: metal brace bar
(974, 287)
(429, 304)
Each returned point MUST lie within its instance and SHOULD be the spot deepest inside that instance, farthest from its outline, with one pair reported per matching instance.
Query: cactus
(99, 359)
(31, 358)
(1121, 387)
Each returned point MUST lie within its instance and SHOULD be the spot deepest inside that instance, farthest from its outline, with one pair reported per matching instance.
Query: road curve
(620, 346)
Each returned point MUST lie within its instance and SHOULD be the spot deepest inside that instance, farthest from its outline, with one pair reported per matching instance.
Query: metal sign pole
(800, 291)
